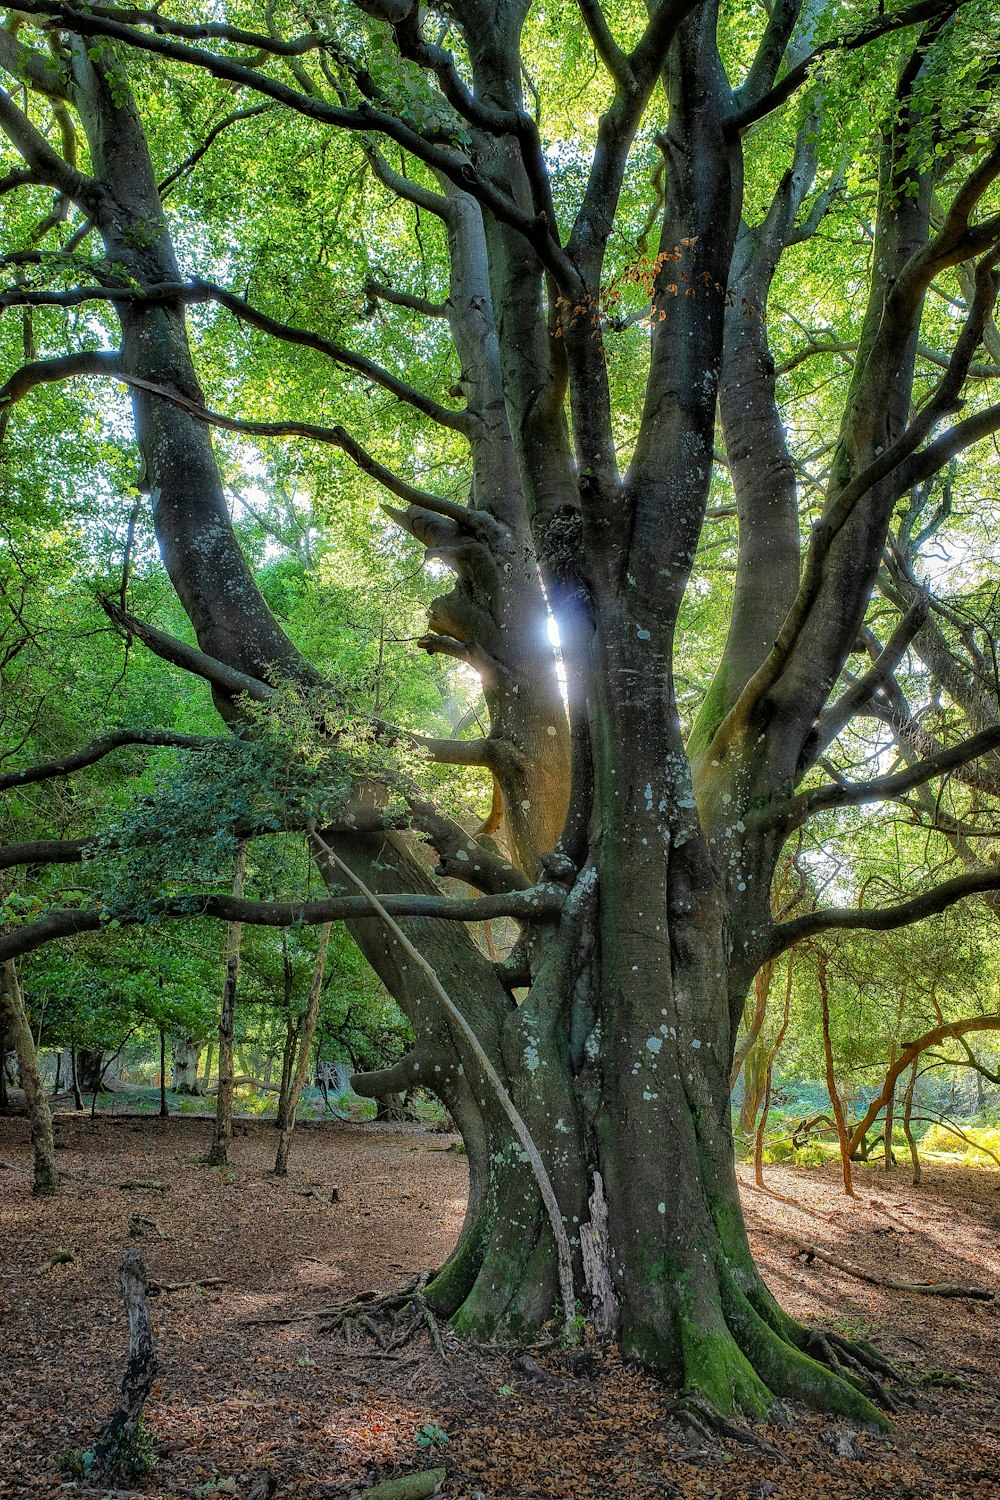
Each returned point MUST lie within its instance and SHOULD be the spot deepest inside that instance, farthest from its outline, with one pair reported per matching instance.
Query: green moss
(713, 710)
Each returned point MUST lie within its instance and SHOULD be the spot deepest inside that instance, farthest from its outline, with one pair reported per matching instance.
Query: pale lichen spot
(654, 1043)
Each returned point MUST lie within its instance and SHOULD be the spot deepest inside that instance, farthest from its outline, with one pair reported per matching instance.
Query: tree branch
(885, 918)
(755, 109)
(60, 367)
(882, 788)
(226, 679)
(458, 421)
(76, 760)
(524, 906)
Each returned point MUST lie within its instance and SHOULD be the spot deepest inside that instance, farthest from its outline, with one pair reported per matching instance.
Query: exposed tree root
(855, 1359)
(391, 1321)
(702, 1418)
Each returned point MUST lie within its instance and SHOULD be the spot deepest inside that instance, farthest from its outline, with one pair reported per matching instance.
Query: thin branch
(564, 1256)
(213, 135)
(306, 337)
(859, 693)
(754, 109)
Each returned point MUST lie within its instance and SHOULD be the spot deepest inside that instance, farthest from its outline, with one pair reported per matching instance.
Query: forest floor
(237, 1394)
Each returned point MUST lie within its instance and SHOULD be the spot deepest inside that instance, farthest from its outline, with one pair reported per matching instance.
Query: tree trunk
(46, 1178)
(843, 1134)
(288, 1054)
(57, 1084)
(4, 1102)
(187, 1052)
(75, 1078)
(305, 1050)
(907, 1117)
(218, 1155)
(758, 1145)
(164, 1111)
(89, 1070)
(209, 1061)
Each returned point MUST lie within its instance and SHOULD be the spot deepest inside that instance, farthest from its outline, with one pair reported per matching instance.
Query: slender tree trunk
(75, 1078)
(305, 1050)
(907, 1127)
(291, 1037)
(4, 1102)
(46, 1178)
(58, 1080)
(209, 1062)
(889, 1160)
(164, 1111)
(218, 1155)
(843, 1134)
(288, 1052)
(758, 1145)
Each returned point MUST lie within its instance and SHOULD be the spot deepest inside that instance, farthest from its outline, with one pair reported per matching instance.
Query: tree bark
(164, 1111)
(45, 1178)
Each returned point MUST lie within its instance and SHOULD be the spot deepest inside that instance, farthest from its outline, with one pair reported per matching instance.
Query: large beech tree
(642, 842)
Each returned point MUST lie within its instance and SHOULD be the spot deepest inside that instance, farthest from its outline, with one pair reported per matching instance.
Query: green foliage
(431, 1437)
(134, 1458)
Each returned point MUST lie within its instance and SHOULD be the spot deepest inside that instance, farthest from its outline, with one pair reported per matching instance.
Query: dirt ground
(238, 1395)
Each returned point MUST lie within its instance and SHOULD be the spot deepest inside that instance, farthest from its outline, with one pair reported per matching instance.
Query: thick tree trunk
(46, 1178)
(187, 1053)
(218, 1155)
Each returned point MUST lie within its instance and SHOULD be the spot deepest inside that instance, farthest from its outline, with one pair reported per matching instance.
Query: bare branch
(885, 918)
(61, 367)
(882, 788)
(457, 420)
(76, 760)
(227, 680)
(525, 906)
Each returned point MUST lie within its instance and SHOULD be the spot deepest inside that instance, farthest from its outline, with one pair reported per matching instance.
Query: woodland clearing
(238, 1395)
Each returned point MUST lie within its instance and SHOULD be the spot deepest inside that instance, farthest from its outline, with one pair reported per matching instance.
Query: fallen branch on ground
(924, 1288)
(156, 1287)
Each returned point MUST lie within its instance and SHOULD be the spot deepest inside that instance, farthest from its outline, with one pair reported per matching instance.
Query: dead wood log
(116, 1447)
(923, 1288)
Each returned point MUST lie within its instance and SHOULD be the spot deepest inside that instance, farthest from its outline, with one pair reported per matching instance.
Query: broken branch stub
(115, 1448)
